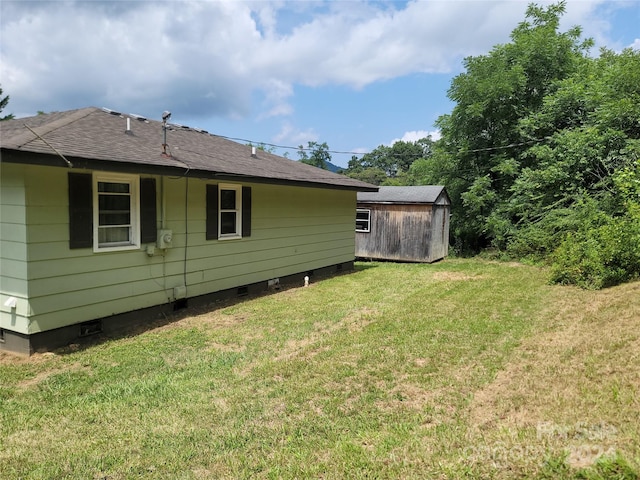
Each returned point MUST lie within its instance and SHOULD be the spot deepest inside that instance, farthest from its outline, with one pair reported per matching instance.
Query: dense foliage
(316, 154)
(541, 153)
(390, 165)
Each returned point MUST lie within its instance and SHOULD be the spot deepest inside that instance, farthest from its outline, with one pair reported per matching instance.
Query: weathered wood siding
(440, 232)
(294, 229)
(405, 232)
(398, 232)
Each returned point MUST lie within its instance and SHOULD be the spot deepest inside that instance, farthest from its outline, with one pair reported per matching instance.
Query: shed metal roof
(411, 194)
(97, 138)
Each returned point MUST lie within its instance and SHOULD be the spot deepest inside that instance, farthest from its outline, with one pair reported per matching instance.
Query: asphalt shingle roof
(412, 194)
(94, 134)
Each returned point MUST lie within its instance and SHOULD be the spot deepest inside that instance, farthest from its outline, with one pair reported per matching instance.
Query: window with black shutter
(228, 212)
(111, 211)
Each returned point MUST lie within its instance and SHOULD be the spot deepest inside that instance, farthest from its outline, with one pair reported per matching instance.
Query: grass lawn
(461, 369)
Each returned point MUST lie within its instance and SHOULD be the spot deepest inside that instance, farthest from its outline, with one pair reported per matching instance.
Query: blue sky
(354, 74)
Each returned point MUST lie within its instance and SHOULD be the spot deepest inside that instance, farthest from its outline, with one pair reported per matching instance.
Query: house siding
(294, 229)
(13, 248)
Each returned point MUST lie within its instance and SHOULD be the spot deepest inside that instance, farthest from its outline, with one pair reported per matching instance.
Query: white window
(363, 220)
(230, 213)
(115, 212)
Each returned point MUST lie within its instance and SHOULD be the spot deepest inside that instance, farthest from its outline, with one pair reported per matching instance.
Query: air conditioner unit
(165, 238)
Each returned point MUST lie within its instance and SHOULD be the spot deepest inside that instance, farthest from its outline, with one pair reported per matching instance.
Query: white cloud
(291, 136)
(415, 135)
(276, 102)
(210, 58)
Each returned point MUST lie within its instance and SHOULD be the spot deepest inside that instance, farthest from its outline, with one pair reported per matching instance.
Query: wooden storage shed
(407, 224)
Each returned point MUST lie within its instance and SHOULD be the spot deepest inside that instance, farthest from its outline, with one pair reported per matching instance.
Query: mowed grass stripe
(392, 371)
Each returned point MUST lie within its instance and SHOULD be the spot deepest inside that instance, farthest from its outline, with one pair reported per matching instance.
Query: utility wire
(338, 152)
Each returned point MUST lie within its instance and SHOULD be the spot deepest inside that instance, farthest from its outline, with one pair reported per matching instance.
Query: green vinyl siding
(293, 230)
(13, 248)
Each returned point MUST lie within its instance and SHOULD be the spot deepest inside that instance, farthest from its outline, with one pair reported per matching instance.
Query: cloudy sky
(354, 74)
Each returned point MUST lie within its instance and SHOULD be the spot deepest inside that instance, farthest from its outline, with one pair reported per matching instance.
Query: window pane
(114, 210)
(227, 223)
(111, 187)
(227, 199)
(115, 214)
(116, 218)
(115, 202)
(363, 218)
(108, 235)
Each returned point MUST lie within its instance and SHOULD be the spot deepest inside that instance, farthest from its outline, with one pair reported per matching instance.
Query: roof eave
(9, 155)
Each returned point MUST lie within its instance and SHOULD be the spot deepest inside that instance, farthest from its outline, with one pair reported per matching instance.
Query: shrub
(599, 257)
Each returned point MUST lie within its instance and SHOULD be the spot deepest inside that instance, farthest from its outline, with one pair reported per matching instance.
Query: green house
(108, 220)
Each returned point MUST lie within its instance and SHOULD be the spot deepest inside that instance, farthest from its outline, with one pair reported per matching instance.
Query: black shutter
(148, 212)
(246, 211)
(212, 212)
(80, 210)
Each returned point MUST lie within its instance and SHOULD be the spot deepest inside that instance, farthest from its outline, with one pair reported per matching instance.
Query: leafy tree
(482, 139)
(392, 161)
(263, 146)
(592, 122)
(374, 176)
(3, 103)
(482, 135)
(540, 153)
(316, 154)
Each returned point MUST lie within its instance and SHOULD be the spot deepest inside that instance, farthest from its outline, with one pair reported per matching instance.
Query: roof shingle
(411, 194)
(100, 135)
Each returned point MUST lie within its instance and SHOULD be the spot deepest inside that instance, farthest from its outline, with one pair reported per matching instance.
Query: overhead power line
(287, 147)
(339, 152)
(504, 147)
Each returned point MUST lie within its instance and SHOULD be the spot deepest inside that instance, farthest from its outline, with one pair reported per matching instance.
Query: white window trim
(134, 190)
(368, 221)
(238, 210)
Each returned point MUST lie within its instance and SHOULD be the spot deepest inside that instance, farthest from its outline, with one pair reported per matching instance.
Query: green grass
(461, 369)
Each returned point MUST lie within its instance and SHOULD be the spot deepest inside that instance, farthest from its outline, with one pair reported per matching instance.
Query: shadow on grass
(162, 316)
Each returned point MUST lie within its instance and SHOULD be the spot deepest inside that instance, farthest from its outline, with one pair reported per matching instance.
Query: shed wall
(397, 232)
(440, 232)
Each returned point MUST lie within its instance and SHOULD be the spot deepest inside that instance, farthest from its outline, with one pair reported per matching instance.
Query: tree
(316, 154)
(482, 138)
(3, 103)
(263, 146)
(393, 161)
(541, 153)
(592, 123)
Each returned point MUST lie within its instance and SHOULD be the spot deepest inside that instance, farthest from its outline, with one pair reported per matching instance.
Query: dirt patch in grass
(572, 384)
(9, 358)
(43, 376)
(444, 276)
(306, 347)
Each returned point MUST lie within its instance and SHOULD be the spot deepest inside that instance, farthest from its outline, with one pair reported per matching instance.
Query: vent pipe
(165, 116)
(253, 151)
(128, 130)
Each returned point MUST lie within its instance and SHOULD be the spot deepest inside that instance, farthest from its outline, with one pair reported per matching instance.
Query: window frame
(237, 210)
(134, 222)
(368, 220)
